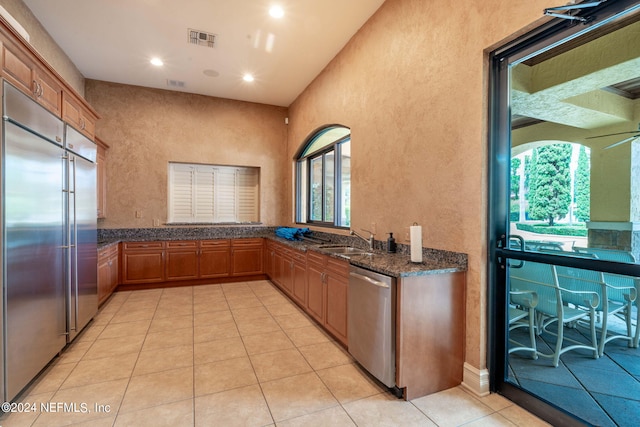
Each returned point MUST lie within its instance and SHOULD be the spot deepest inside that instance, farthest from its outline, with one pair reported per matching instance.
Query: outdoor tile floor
(238, 354)
(603, 391)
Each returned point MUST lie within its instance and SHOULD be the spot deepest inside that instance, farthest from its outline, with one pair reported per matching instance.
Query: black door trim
(554, 33)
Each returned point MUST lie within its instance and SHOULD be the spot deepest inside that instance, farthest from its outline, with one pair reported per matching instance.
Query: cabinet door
(246, 257)
(182, 264)
(269, 255)
(48, 92)
(299, 282)
(104, 277)
(17, 68)
(246, 261)
(214, 262)
(315, 292)
(113, 267)
(74, 114)
(337, 294)
(101, 178)
(277, 268)
(143, 262)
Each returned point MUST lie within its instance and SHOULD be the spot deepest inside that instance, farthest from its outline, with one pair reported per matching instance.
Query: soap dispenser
(391, 244)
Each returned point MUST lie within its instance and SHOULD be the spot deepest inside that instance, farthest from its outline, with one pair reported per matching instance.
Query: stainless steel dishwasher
(371, 324)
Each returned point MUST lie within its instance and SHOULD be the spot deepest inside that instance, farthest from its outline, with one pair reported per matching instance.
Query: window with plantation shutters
(212, 194)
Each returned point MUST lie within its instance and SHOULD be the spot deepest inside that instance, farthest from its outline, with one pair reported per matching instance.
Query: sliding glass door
(564, 265)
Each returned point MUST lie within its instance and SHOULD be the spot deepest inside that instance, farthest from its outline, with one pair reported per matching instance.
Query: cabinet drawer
(108, 251)
(246, 242)
(338, 266)
(103, 254)
(316, 258)
(299, 256)
(182, 244)
(143, 245)
(223, 243)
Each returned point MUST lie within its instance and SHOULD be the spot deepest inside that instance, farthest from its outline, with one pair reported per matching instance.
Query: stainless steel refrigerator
(48, 209)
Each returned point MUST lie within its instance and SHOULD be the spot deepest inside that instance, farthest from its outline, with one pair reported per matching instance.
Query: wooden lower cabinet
(430, 331)
(143, 262)
(315, 291)
(246, 257)
(215, 258)
(107, 272)
(337, 294)
(185, 260)
(318, 283)
(299, 279)
(280, 272)
(182, 260)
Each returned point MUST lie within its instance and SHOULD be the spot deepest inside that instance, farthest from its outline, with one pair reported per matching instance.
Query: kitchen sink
(345, 250)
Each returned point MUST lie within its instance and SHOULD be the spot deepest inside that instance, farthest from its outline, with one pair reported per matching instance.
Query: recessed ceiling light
(247, 78)
(276, 12)
(157, 62)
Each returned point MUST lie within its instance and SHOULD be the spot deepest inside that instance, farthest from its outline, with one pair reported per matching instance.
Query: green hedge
(514, 215)
(559, 230)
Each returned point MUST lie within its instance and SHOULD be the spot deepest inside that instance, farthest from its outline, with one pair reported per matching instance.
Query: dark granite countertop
(393, 264)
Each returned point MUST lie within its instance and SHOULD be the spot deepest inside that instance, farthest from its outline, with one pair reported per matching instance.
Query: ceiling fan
(636, 134)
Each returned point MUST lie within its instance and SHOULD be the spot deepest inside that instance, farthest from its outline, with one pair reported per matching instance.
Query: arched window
(323, 178)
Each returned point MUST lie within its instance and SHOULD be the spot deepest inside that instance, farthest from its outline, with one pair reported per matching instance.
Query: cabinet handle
(82, 123)
(37, 90)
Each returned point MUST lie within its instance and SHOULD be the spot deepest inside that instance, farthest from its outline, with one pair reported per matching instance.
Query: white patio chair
(551, 308)
(622, 282)
(614, 300)
(522, 314)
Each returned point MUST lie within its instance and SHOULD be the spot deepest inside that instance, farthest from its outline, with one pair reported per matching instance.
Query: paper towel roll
(416, 243)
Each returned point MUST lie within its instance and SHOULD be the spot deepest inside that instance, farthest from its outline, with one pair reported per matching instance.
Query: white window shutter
(204, 194)
(181, 193)
(213, 194)
(247, 195)
(225, 200)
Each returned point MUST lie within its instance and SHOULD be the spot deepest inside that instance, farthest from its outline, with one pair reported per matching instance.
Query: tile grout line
(251, 361)
(115, 419)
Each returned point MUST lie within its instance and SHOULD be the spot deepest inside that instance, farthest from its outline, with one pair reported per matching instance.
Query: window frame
(304, 175)
(219, 190)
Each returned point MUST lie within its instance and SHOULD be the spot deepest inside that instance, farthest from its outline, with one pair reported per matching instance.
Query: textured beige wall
(147, 128)
(412, 86)
(44, 44)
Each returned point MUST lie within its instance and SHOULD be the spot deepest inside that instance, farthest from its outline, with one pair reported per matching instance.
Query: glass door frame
(544, 38)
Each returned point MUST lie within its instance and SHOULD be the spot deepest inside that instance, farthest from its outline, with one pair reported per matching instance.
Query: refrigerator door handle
(73, 247)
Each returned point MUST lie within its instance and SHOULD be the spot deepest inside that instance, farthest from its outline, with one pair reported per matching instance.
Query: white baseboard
(476, 380)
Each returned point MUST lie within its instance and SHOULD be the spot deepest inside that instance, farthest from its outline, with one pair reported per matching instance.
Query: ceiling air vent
(201, 38)
(175, 83)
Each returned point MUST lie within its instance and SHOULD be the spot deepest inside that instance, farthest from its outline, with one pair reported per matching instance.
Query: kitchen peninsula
(430, 300)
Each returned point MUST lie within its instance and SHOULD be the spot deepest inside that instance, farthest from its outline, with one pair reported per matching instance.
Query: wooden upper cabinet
(48, 92)
(101, 182)
(23, 71)
(17, 68)
(76, 115)
(23, 67)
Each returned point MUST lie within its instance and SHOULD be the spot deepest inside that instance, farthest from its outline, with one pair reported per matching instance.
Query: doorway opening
(564, 216)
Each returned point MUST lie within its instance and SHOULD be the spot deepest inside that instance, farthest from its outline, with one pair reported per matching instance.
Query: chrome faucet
(369, 240)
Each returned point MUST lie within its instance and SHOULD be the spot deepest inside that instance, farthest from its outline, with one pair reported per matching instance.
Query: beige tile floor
(225, 355)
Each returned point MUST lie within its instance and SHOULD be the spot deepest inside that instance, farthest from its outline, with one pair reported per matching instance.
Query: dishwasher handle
(369, 279)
